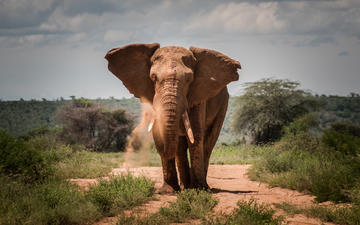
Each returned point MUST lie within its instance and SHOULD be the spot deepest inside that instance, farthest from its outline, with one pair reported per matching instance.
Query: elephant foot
(167, 189)
(201, 186)
(185, 186)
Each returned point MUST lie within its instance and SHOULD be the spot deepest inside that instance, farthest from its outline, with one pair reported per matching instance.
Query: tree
(267, 105)
(85, 122)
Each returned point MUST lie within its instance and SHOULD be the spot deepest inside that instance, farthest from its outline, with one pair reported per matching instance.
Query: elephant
(188, 92)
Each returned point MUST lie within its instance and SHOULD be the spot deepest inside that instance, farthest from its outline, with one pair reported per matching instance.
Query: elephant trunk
(172, 107)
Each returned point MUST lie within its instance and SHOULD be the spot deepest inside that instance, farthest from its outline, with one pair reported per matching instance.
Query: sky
(56, 48)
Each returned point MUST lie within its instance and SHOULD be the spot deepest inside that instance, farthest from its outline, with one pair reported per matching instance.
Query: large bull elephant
(187, 89)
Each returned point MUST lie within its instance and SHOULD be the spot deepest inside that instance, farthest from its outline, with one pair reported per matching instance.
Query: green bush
(55, 201)
(328, 175)
(87, 123)
(347, 215)
(51, 201)
(328, 167)
(301, 124)
(341, 141)
(20, 158)
(120, 193)
(190, 204)
(237, 154)
(248, 213)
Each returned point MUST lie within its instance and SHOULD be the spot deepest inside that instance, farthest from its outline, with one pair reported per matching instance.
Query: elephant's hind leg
(212, 134)
(183, 163)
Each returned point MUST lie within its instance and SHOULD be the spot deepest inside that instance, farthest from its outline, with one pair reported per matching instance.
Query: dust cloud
(138, 149)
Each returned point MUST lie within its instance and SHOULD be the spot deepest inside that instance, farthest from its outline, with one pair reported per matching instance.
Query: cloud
(343, 53)
(112, 36)
(300, 22)
(241, 17)
(25, 13)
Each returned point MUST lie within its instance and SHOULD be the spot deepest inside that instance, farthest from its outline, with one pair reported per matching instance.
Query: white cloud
(239, 18)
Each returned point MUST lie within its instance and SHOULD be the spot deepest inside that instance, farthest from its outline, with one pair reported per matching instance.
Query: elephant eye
(153, 77)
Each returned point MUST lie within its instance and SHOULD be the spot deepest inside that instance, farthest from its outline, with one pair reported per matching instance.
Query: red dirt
(229, 184)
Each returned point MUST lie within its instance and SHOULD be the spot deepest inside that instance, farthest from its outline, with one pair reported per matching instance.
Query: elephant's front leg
(197, 172)
(170, 176)
(170, 183)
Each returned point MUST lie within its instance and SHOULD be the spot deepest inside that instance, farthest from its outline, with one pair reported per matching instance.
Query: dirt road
(229, 184)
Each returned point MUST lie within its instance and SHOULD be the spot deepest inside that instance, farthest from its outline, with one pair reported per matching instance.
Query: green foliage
(248, 213)
(307, 163)
(190, 204)
(55, 201)
(341, 142)
(86, 164)
(21, 158)
(236, 154)
(343, 137)
(120, 193)
(339, 108)
(20, 117)
(267, 105)
(301, 124)
(328, 175)
(297, 135)
(51, 201)
(348, 128)
(347, 215)
(87, 123)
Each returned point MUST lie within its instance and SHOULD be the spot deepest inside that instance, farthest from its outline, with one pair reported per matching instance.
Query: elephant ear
(213, 72)
(131, 64)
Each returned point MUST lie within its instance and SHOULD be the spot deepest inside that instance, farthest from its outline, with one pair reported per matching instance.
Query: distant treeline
(22, 116)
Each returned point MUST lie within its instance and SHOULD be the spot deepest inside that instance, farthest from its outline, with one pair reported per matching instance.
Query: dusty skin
(186, 89)
(229, 185)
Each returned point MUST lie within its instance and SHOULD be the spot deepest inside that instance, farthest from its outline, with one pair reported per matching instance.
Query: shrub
(51, 201)
(341, 141)
(301, 124)
(120, 193)
(347, 215)
(87, 123)
(190, 204)
(20, 158)
(327, 175)
(248, 213)
(55, 201)
(268, 105)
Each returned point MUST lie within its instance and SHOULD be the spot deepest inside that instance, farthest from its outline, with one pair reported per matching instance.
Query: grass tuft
(347, 215)
(248, 213)
(190, 204)
(120, 193)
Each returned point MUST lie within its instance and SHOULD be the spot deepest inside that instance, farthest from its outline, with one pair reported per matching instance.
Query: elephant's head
(173, 79)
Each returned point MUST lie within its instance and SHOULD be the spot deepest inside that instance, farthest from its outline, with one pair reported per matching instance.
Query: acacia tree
(87, 123)
(267, 105)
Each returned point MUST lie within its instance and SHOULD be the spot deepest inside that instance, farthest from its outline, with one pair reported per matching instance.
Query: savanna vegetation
(35, 189)
(292, 138)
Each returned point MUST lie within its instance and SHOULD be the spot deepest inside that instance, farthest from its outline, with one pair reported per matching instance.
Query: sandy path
(229, 184)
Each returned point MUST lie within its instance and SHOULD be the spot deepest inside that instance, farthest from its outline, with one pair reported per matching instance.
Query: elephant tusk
(151, 125)
(187, 125)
